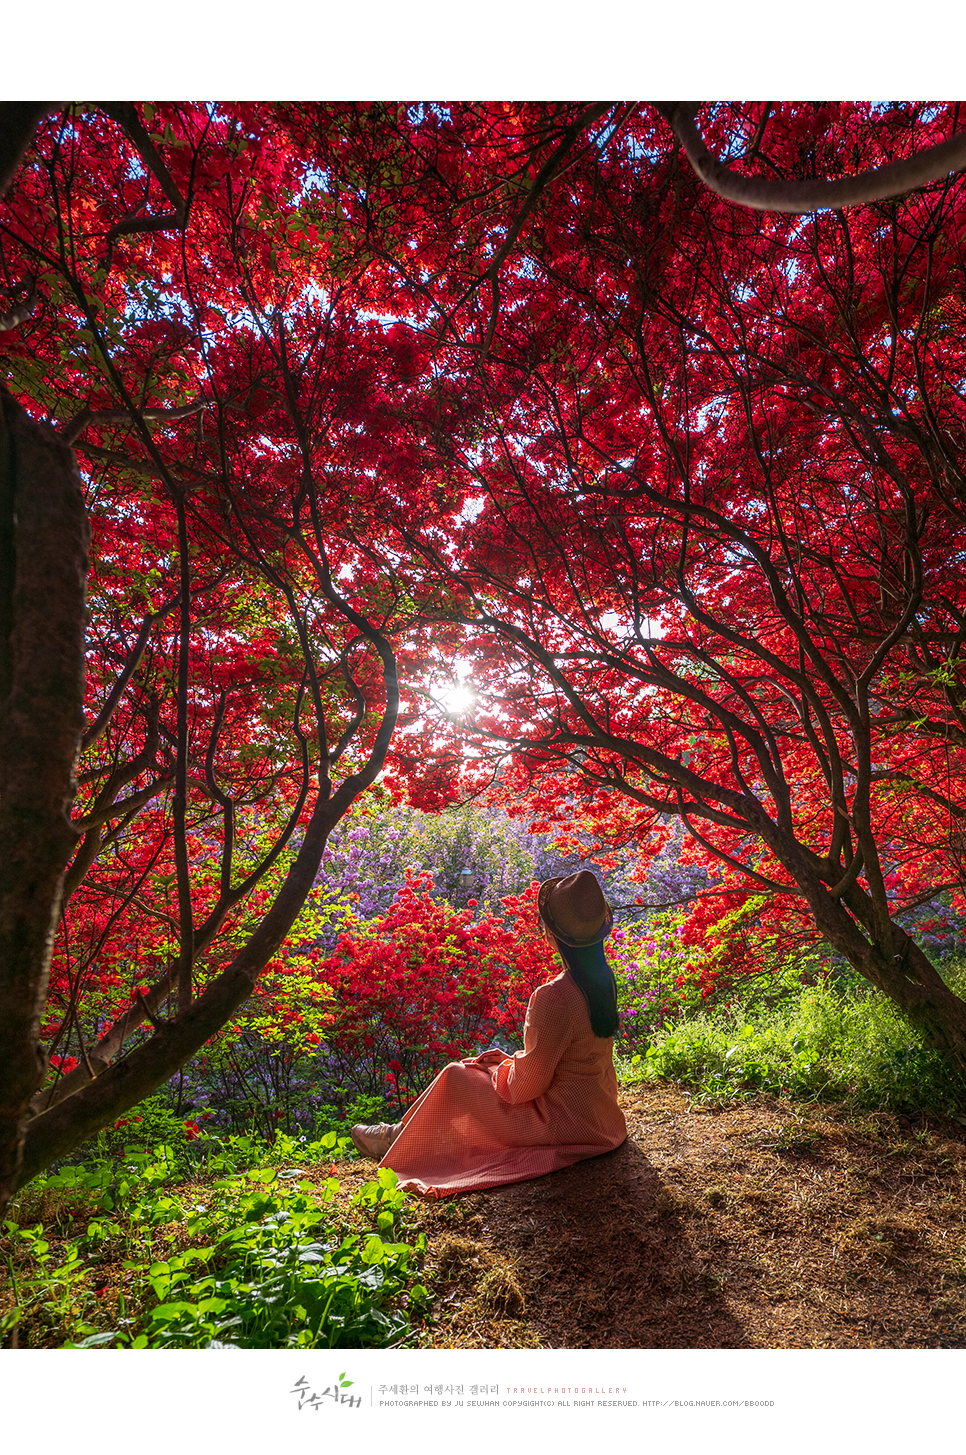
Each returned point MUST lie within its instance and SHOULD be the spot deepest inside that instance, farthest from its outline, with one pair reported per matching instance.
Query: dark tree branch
(75, 427)
(124, 113)
(889, 180)
(128, 1080)
(18, 123)
(134, 659)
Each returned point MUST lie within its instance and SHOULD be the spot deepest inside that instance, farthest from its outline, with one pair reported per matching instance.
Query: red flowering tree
(241, 684)
(711, 563)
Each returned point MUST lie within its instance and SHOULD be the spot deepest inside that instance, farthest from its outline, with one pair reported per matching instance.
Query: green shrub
(283, 1278)
(364, 1109)
(839, 1041)
(151, 1122)
(240, 1255)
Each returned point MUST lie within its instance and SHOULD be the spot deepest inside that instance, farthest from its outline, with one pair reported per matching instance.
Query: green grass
(836, 1041)
(245, 1245)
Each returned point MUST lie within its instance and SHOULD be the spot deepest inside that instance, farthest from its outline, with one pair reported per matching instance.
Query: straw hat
(575, 910)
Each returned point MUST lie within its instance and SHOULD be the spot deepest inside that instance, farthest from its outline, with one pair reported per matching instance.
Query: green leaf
(170, 1311)
(264, 1174)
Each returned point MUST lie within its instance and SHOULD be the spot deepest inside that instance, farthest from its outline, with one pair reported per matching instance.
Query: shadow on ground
(606, 1261)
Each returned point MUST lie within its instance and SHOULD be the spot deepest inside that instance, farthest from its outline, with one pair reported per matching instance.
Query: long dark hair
(592, 973)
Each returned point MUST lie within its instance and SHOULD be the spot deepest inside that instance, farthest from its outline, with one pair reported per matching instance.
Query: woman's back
(576, 1067)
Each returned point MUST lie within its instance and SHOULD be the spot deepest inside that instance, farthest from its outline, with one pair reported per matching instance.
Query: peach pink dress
(550, 1105)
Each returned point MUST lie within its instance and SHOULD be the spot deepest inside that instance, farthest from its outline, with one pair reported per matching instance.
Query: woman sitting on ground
(498, 1118)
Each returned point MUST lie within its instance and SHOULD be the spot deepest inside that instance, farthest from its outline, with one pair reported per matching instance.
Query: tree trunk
(44, 538)
(18, 122)
(913, 984)
(902, 971)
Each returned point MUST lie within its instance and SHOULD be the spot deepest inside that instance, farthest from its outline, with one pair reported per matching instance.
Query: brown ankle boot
(375, 1141)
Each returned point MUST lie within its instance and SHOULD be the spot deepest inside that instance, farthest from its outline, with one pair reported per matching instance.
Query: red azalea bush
(358, 1033)
(402, 994)
(427, 984)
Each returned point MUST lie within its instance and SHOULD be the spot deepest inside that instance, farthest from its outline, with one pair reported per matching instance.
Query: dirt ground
(756, 1225)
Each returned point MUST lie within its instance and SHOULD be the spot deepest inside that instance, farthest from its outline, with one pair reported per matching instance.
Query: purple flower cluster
(655, 985)
(471, 853)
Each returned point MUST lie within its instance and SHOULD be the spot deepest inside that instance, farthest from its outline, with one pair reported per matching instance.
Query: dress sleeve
(547, 1032)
